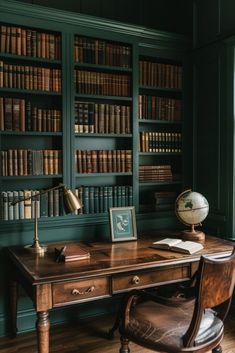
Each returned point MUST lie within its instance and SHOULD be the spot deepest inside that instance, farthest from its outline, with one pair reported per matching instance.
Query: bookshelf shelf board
(81, 175)
(95, 96)
(20, 177)
(102, 67)
(160, 153)
(155, 214)
(102, 135)
(27, 91)
(162, 89)
(166, 122)
(30, 133)
(29, 59)
(54, 222)
(142, 184)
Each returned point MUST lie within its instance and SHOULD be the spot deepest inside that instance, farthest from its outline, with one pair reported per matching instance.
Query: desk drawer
(151, 278)
(68, 292)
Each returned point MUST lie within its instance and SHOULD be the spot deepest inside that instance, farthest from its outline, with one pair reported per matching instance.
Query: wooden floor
(90, 337)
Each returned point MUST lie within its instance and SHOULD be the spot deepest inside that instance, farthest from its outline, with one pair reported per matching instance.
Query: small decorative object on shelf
(71, 202)
(191, 209)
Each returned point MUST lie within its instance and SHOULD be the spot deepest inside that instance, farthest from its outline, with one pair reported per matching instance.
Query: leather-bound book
(74, 252)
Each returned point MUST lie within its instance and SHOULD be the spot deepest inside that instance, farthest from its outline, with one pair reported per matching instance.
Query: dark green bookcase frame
(142, 40)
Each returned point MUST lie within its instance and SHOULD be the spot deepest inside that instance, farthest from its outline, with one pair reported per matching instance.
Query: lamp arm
(39, 193)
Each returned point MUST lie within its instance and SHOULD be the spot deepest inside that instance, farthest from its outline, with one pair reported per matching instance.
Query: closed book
(2, 123)
(8, 114)
(96, 200)
(16, 206)
(10, 206)
(21, 204)
(4, 203)
(74, 252)
(61, 203)
(91, 199)
(16, 114)
(86, 199)
(44, 205)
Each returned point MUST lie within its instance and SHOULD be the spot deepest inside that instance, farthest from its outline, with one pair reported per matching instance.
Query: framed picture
(122, 223)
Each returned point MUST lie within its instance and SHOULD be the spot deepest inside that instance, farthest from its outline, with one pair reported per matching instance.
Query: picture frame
(122, 223)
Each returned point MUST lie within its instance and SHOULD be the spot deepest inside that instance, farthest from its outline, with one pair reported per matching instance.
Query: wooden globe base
(193, 236)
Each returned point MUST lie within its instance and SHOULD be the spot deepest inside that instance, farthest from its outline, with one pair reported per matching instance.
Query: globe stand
(193, 235)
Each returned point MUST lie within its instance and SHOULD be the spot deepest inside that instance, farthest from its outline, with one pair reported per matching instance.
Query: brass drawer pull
(135, 280)
(76, 291)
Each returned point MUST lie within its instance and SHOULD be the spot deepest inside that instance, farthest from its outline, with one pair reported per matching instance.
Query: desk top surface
(108, 258)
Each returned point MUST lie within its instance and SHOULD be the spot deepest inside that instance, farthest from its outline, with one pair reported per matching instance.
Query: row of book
(164, 200)
(160, 141)
(19, 115)
(98, 199)
(22, 162)
(158, 173)
(49, 204)
(95, 199)
(101, 83)
(103, 161)
(29, 42)
(30, 77)
(160, 108)
(155, 74)
(102, 118)
(100, 52)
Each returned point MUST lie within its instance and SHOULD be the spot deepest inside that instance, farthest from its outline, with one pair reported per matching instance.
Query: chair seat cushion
(165, 330)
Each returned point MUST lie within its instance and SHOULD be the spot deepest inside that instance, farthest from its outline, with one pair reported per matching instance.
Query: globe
(191, 209)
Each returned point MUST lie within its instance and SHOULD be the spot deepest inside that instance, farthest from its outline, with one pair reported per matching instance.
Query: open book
(187, 247)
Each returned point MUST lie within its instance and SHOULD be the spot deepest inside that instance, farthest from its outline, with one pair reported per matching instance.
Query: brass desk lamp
(71, 202)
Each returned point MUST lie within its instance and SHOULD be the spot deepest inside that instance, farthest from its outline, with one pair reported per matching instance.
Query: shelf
(101, 174)
(166, 122)
(95, 96)
(160, 153)
(157, 183)
(21, 177)
(102, 135)
(29, 59)
(101, 67)
(162, 89)
(27, 91)
(29, 133)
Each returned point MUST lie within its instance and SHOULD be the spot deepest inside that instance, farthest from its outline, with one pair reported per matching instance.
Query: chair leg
(217, 349)
(124, 345)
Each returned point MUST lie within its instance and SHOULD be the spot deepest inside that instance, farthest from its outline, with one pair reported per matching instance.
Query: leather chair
(193, 323)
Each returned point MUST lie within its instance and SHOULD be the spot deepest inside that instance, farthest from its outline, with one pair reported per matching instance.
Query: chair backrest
(213, 289)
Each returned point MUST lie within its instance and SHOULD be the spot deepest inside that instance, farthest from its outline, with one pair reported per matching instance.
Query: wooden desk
(111, 269)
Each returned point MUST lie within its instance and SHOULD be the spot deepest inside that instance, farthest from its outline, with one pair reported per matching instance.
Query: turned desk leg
(13, 307)
(43, 328)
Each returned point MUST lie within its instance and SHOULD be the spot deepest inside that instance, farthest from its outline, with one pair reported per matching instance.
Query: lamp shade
(71, 202)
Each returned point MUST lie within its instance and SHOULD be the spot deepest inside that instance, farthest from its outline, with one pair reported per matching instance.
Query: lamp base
(193, 235)
(37, 249)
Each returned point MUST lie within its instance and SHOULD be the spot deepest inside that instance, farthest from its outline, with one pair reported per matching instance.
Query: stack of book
(158, 173)
(72, 252)
(164, 200)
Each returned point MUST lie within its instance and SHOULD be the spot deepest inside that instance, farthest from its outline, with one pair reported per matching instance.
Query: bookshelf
(30, 119)
(95, 108)
(160, 116)
(102, 122)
